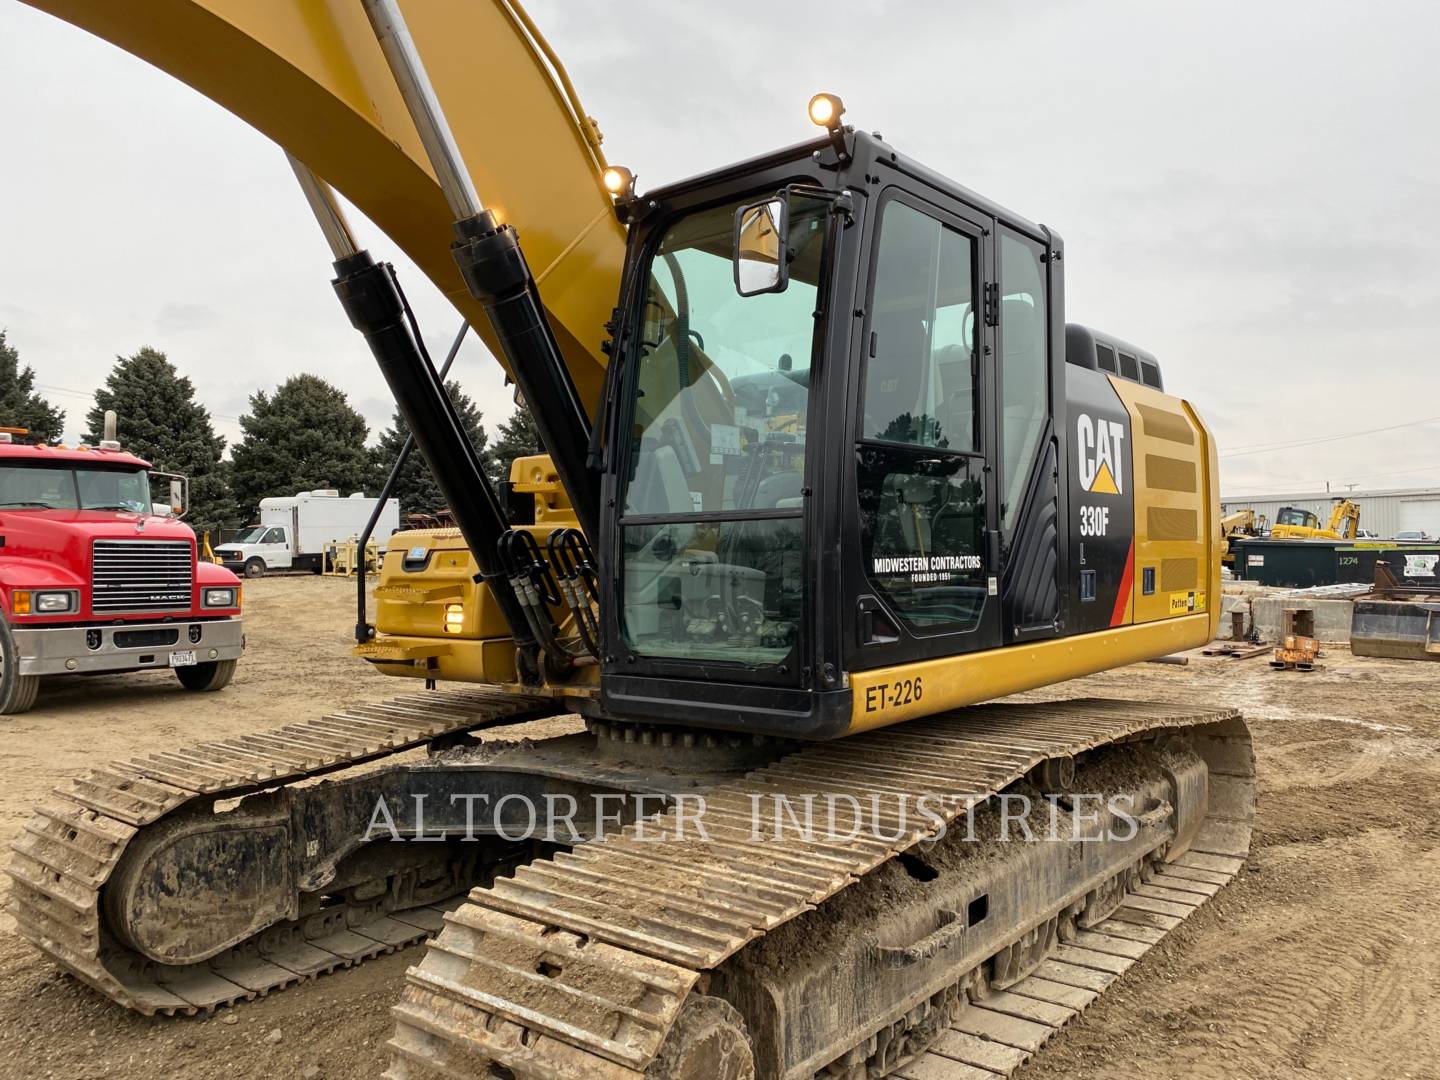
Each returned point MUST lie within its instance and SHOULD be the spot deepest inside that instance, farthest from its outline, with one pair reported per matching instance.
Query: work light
(619, 181)
(826, 110)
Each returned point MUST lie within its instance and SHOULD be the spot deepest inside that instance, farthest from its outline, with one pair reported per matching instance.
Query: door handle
(872, 625)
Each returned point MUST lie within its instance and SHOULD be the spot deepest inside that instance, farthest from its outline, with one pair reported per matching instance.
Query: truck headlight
(54, 603)
(225, 597)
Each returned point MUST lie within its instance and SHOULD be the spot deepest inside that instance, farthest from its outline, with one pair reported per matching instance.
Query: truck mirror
(177, 497)
(762, 258)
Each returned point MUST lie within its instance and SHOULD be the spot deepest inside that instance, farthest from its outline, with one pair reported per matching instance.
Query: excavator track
(72, 846)
(578, 967)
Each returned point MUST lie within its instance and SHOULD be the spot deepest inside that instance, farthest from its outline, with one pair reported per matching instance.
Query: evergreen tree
(416, 487)
(159, 420)
(518, 437)
(20, 405)
(302, 437)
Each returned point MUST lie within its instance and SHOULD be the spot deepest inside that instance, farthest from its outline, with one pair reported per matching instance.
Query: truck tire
(215, 675)
(255, 566)
(17, 692)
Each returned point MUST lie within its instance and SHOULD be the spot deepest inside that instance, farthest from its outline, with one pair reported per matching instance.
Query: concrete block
(1332, 617)
(1246, 588)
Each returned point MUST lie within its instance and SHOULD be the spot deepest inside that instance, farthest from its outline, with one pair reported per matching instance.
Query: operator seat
(659, 486)
(895, 376)
(782, 491)
(954, 367)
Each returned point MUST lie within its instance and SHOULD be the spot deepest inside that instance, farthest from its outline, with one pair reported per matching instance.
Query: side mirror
(762, 258)
(177, 497)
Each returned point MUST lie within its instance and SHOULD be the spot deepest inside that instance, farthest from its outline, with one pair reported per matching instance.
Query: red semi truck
(94, 580)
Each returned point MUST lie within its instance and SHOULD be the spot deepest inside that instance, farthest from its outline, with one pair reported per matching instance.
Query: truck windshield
(249, 536)
(713, 486)
(47, 487)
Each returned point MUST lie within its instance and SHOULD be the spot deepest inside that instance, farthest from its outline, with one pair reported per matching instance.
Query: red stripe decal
(1127, 582)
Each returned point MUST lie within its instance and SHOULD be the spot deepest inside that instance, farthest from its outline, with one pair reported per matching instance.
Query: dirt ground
(1322, 959)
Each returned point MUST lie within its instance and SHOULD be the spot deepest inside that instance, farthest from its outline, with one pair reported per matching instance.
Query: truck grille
(142, 575)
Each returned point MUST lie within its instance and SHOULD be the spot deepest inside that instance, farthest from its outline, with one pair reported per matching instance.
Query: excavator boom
(312, 76)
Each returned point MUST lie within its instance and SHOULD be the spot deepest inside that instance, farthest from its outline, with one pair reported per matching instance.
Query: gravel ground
(1322, 959)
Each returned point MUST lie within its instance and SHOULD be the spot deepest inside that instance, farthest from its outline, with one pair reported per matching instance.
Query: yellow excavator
(1239, 525)
(1296, 523)
(827, 471)
(1243, 523)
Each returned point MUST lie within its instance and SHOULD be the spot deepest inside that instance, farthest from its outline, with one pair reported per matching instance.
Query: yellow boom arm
(311, 76)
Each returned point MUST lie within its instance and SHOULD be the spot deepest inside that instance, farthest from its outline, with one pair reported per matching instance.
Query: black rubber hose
(362, 616)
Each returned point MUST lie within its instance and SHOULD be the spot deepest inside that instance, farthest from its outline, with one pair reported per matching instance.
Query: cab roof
(70, 455)
(868, 152)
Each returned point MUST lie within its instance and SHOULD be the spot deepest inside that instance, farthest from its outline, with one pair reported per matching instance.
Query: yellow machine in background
(341, 558)
(434, 621)
(1293, 523)
(1242, 524)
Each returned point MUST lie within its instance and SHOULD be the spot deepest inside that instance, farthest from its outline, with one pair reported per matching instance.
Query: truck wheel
(255, 566)
(17, 692)
(215, 675)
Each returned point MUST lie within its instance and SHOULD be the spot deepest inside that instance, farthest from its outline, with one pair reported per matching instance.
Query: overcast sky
(1250, 190)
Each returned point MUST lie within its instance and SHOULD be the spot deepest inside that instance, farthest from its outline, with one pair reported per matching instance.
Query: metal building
(1383, 513)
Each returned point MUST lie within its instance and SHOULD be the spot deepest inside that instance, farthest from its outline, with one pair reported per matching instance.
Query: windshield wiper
(111, 506)
(30, 503)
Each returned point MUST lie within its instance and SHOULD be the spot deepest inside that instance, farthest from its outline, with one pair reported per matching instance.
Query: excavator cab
(1296, 523)
(831, 439)
(1294, 516)
(849, 465)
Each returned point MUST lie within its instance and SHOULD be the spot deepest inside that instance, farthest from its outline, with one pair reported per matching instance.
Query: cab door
(1027, 463)
(922, 543)
(274, 547)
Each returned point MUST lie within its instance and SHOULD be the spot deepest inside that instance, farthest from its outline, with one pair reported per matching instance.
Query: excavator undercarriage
(175, 883)
(920, 902)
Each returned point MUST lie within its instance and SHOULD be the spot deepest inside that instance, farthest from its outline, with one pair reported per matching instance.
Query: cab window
(113, 489)
(27, 487)
(921, 369)
(1023, 382)
(919, 480)
(711, 526)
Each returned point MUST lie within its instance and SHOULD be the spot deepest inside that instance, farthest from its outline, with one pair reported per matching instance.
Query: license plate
(183, 658)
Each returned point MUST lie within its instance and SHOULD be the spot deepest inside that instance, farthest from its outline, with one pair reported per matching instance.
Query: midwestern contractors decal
(922, 568)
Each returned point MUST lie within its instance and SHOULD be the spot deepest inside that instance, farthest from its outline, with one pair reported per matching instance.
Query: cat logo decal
(1102, 465)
